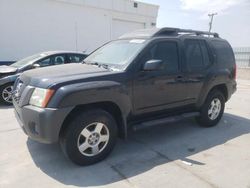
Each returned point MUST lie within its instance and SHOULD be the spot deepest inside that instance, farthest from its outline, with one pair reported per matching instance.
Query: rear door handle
(200, 77)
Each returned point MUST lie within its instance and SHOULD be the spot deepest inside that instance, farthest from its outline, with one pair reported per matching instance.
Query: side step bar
(161, 121)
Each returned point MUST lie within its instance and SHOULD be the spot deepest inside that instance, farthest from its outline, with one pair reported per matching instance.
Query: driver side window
(167, 51)
(45, 62)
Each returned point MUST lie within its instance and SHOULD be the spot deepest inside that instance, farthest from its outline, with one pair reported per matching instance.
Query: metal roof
(60, 52)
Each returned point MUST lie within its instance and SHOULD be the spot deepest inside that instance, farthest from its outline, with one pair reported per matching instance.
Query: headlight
(40, 97)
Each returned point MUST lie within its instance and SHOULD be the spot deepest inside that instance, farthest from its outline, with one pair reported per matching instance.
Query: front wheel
(90, 137)
(6, 94)
(212, 110)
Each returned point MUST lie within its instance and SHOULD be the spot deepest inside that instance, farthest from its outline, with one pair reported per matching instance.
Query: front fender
(8, 79)
(93, 92)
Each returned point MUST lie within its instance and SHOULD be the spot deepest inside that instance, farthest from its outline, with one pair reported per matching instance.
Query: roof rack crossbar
(198, 32)
(176, 31)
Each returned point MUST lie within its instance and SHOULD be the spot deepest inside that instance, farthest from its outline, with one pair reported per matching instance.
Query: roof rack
(177, 31)
(167, 31)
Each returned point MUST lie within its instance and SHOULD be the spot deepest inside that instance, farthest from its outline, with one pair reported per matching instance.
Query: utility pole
(211, 16)
(76, 36)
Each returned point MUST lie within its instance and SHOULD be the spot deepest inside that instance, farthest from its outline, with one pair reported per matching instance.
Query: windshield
(27, 60)
(117, 53)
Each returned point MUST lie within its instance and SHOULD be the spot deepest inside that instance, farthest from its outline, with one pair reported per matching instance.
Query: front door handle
(179, 78)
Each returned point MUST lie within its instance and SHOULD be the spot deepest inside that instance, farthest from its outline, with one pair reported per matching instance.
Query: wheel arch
(108, 106)
(220, 87)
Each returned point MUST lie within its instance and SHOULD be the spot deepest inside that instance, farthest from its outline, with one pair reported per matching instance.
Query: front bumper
(41, 124)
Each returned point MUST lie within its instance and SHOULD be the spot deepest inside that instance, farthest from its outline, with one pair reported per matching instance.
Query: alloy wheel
(7, 94)
(214, 109)
(93, 139)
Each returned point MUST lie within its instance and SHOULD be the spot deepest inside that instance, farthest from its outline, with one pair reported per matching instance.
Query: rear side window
(197, 55)
(205, 54)
(194, 57)
(224, 53)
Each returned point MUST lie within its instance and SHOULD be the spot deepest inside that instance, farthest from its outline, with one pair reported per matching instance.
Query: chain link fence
(242, 57)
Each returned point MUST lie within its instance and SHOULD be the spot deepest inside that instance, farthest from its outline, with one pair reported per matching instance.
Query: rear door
(198, 62)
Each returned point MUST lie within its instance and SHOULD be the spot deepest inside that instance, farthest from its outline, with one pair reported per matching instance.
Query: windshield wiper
(93, 63)
(105, 66)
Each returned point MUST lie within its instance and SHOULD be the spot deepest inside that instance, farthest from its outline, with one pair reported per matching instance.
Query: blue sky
(232, 21)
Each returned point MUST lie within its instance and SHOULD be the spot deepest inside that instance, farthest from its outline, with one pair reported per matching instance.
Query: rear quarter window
(224, 53)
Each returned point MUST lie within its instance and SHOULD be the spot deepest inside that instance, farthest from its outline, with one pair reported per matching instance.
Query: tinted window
(205, 54)
(45, 62)
(223, 52)
(58, 59)
(52, 60)
(194, 57)
(75, 58)
(165, 51)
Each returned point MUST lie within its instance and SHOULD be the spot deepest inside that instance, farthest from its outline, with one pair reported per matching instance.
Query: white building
(31, 26)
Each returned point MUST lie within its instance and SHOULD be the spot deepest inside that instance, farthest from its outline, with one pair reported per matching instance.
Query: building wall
(32, 26)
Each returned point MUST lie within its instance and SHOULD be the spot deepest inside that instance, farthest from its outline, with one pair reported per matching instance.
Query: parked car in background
(8, 74)
(146, 78)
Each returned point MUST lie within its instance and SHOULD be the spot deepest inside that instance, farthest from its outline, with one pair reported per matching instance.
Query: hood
(45, 77)
(7, 69)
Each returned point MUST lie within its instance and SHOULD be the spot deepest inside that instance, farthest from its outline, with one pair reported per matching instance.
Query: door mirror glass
(36, 66)
(152, 65)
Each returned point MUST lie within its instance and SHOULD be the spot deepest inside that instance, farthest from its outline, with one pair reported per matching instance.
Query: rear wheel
(90, 137)
(6, 94)
(212, 110)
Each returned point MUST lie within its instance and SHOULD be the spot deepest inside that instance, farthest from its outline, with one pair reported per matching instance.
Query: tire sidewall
(78, 124)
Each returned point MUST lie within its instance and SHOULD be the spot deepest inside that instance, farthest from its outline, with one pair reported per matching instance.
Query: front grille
(17, 90)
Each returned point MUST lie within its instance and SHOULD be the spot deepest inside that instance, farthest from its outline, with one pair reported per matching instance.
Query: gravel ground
(180, 154)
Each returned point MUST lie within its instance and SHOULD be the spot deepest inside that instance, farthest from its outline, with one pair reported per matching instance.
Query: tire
(209, 117)
(82, 134)
(5, 93)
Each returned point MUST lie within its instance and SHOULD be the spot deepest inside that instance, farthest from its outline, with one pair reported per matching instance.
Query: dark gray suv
(145, 78)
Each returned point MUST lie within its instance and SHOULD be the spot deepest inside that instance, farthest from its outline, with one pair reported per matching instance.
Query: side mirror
(152, 65)
(36, 66)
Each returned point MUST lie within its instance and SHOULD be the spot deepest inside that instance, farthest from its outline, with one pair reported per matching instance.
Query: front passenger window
(45, 62)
